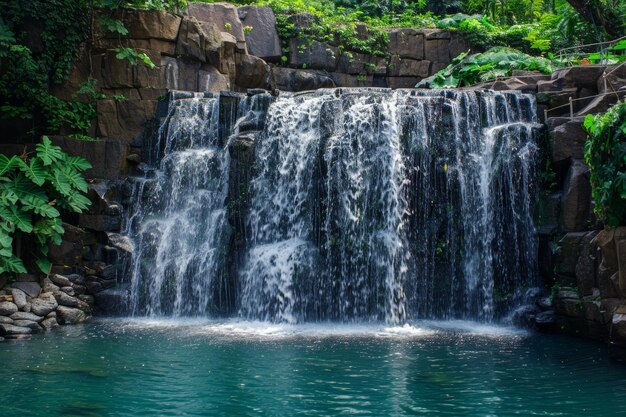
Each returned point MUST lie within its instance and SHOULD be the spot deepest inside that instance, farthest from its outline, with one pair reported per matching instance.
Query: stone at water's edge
(26, 316)
(11, 330)
(42, 307)
(67, 315)
(7, 308)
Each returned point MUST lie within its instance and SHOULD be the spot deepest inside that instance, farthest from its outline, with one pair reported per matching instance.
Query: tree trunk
(594, 13)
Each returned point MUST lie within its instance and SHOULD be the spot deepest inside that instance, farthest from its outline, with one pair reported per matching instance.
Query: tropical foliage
(496, 62)
(605, 153)
(33, 187)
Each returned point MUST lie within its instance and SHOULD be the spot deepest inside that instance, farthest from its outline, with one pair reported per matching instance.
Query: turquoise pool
(201, 368)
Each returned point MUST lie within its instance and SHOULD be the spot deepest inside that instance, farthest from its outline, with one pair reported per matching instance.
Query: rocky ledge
(28, 307)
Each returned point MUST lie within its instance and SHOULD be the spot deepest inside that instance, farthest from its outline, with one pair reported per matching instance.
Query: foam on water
(241, 329)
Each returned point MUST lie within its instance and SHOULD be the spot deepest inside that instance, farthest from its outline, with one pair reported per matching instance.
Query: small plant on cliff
(32, 187)
(605, 153)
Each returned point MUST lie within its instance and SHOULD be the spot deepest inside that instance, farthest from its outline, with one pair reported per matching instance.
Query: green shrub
(31, 189)
(496, 62)
(605, 153)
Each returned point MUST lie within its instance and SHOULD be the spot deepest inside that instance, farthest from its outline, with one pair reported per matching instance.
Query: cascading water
(179, 223)
(363, 204)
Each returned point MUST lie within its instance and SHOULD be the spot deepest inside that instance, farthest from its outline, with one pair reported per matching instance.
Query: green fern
(48, 152)
(33, 190)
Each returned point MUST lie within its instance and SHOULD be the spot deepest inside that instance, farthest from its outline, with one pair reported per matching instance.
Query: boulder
(568, 140)
(576, 203)
(112, 72)
(567, 256)
(7, 308)
(121, 242)
(211, 80)
(262, 39)
(88, 299)
(570, 307)
(353, 63)
(600, 104)
(297, 80)
(19, 298)
(68, 290)
(618, 327)
(124, 120)
(68, 315)
(223, 15)
(146, 24)
(20, 315)
(6, 320)
(196, 39)
(409, 67)
(33, 325)
(48, 285)
(545, 321)
(10, 330)
(548, 211)
(49, 323)
(60, 280)
(604, 240)
(458, 45)
(68, 301)
(347, 80)
(42, 307)
(158, 46)
(437, 50)
(305, 53)
(406, 43)
(253, 72)
(32, 289)
(402, 82)
(112, 301)
(585, 76)
(586, 265)
(107, 157)
(620, 246)
(524, 316)
(545, 303)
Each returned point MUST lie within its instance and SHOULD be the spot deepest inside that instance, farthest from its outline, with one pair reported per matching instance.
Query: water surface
(202, 368)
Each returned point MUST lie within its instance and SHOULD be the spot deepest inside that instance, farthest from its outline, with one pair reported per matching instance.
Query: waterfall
(354, 205)
(179, 221)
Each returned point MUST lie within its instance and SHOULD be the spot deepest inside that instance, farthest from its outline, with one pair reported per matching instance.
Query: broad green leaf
(5, 240)
(21, 219)
(24, 187)
(7, 164)
(48, 152)
(619, 46)
(113, 25)
(47, 211)
(78, 163)
(61, 183)
(75, 179)
(78, 202)
(12, 264)
(36, 172)
(44, 265)
(8, 196)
